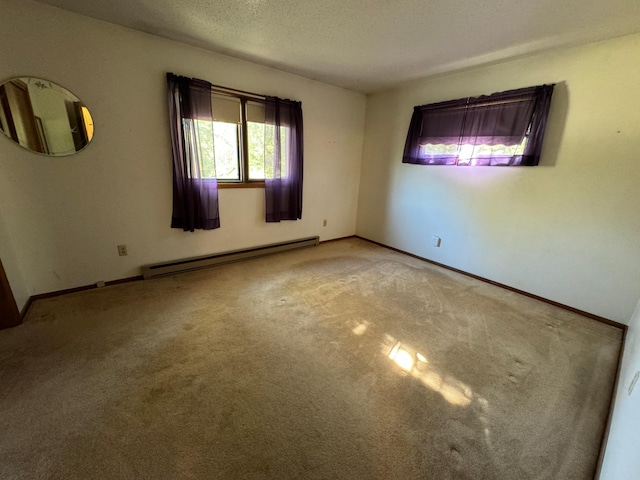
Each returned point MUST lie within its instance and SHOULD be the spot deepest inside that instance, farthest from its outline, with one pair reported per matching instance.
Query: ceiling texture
(370, 45)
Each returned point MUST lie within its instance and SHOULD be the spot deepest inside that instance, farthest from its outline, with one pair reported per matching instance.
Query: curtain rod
(486, 103)
(236, 91)
(223, 89)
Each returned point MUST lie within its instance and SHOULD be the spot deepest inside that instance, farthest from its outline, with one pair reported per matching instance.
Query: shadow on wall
(383, 134)
(555, 125)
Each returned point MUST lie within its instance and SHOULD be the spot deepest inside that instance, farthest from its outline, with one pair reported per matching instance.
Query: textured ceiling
(369, 45)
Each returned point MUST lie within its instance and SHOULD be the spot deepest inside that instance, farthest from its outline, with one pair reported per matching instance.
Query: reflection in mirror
(44, 117)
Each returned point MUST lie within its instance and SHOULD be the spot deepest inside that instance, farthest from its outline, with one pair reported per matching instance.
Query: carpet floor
(343, 361)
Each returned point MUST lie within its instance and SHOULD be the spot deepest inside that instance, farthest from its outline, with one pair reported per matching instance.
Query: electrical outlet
(100, 284)
(122, 250)
(324, 223)
(435, 241)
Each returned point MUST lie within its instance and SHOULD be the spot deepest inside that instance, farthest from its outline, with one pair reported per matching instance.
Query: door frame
(9, 313)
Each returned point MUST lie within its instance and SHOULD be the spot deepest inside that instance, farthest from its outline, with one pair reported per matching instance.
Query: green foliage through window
(222, 154)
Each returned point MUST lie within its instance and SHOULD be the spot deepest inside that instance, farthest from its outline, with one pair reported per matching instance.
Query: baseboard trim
(57, 293)
(592, 316)
(502, 285)
(182, 265)
(25, 309)
(338, 239)
(67, 291)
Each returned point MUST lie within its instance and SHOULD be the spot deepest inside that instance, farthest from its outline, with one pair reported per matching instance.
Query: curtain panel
(283, 159)
(441, 133)
(195, 199)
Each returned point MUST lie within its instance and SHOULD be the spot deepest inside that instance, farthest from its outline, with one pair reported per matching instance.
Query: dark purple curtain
(284, 157)
(195, 199)
(504, 118)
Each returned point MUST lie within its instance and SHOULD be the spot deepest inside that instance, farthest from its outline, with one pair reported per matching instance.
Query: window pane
(268, 150)
(223, 153)
(205, 149)
(225, 137)
(472, 154)
(226, 117)
(284, 151)
(255, 142)
(255, 112)
(255, 133)
(225, 109)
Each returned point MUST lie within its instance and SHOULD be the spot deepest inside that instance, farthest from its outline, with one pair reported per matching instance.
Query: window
(224, 136)
(236, 152)
(502, 129)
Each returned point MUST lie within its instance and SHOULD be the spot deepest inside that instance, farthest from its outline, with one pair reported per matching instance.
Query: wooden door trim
(9, 314)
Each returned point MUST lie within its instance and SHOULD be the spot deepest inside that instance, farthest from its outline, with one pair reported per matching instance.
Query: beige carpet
(344, 361)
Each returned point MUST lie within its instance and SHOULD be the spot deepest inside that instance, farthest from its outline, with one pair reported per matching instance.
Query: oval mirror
(44, 117)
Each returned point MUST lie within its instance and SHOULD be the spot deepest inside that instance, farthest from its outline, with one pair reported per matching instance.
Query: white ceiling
(370, 45)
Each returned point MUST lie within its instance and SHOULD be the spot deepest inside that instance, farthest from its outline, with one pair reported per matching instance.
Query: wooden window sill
(241, 185)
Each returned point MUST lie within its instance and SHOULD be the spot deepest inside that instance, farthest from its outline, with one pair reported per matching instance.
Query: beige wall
(567, 230)
(63, 217)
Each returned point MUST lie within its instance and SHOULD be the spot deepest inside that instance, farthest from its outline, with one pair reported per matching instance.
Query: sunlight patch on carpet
(416, 364)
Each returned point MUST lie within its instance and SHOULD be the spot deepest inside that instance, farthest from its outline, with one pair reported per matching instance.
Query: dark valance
(483, 130)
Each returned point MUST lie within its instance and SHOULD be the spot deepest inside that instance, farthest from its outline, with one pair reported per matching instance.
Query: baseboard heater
(196, 263)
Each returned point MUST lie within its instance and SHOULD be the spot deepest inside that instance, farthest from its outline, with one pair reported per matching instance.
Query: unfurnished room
(319, 240)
